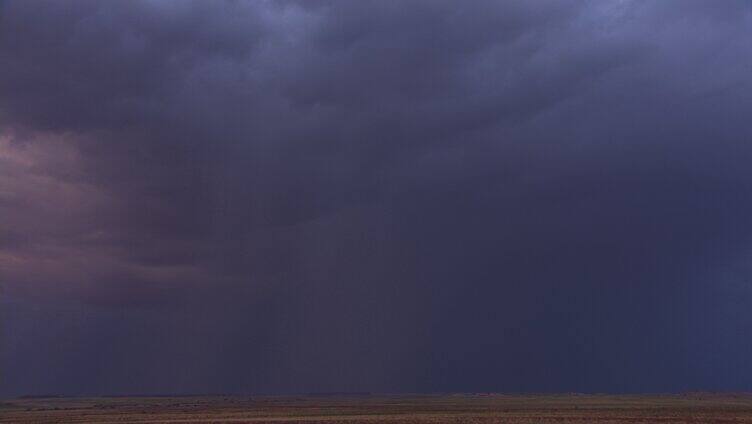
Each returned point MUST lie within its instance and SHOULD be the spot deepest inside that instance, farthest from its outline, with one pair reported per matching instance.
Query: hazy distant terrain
(475, 408)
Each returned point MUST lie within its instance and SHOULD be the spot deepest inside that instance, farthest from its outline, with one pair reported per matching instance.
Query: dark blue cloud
(374, 196)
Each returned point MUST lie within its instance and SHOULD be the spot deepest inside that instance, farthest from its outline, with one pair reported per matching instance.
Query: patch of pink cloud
(61, 236)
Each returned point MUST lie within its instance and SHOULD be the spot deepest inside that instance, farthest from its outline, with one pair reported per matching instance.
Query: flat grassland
(459, 408)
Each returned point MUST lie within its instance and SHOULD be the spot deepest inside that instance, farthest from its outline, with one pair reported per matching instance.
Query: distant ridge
(339, 394)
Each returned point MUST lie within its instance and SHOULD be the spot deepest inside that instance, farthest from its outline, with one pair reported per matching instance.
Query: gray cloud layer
(388, 196)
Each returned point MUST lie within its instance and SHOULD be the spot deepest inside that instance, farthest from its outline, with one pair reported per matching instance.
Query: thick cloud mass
(288, 196)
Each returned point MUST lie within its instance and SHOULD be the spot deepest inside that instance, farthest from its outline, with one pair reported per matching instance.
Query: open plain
(457, 408)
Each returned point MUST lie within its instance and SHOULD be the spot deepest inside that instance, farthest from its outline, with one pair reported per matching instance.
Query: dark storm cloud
(376, 195)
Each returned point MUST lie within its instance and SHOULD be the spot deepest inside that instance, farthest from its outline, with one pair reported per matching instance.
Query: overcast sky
(387, 196)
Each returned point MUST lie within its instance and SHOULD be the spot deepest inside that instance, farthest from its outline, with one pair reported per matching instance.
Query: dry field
(466, 408)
